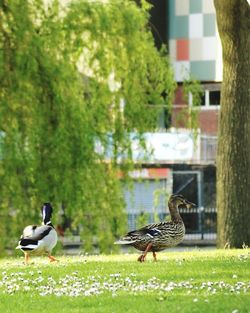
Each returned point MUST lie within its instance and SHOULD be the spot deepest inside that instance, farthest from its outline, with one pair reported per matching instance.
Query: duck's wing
(144, 233)
(39, 232)
(28, 231)
(32, 242)
(151, 230)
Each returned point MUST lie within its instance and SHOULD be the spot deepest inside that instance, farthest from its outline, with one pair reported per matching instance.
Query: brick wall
(208, 118)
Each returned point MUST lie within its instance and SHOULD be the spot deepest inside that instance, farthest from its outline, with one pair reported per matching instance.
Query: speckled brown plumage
(159, 236)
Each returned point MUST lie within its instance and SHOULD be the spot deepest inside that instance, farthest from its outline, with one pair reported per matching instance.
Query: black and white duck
(38, 240)
(159, 236)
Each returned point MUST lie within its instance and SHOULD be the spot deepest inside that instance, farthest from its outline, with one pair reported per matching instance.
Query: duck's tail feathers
(28, 244)
(124, 242)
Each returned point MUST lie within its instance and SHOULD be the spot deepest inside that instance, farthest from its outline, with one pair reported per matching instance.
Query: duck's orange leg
(26, 258)
(154, 256)
(143, 256)
(52, 258)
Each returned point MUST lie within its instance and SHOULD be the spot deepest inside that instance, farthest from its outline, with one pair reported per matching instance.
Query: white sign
(167, 147)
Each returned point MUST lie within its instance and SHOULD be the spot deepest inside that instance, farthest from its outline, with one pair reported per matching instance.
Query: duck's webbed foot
(154, 256)
(143, 256)
(52, 258)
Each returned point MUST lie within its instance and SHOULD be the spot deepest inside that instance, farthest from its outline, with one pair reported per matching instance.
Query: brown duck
(159, 236)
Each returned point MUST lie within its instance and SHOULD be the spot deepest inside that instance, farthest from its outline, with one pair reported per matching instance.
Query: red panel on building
(148, 173)
(182, 49)
(158, 172)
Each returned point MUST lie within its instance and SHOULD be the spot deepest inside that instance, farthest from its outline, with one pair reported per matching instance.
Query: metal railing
(208, 147)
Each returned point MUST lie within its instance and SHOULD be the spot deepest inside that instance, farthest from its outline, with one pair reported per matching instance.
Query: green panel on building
(195, 6)
(178, 27)
(203, 70)
(209, 25)
(171, 8)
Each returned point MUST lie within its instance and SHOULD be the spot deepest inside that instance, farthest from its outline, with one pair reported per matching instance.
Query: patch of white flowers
(75, 285)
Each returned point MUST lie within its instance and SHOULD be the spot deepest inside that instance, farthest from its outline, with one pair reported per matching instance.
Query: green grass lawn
(194, 281)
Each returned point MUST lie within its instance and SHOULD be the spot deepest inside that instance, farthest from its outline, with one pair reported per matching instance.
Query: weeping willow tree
(72, 77)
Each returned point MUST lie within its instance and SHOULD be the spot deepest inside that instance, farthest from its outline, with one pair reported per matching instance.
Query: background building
(188, 28)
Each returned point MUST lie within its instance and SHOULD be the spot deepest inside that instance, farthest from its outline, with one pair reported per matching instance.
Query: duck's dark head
(47, 211)
(179, 200)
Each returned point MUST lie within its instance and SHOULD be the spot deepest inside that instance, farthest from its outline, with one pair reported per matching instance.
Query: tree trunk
(233, 156)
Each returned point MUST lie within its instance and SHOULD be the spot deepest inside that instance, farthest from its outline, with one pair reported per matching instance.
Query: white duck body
(38, 240)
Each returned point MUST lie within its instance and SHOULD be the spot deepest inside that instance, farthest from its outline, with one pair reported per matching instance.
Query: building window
(214, 97)
(210, 98)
